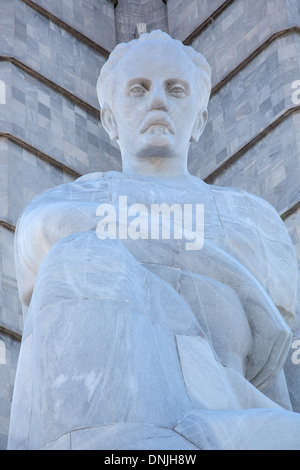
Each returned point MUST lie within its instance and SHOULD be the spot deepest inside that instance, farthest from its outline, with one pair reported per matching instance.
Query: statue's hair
(105, 81)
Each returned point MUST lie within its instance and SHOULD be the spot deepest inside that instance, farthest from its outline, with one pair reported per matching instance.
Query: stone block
(92, 18)
(129, 15)
(53, 124)
(271, 168)
(239, 111)
(49, 50)
(11, 316)
(185, 16)
(240, 29)
(25, 176)
(9, 352)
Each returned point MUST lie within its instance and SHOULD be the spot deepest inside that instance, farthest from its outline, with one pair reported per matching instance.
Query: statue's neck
(155, 167)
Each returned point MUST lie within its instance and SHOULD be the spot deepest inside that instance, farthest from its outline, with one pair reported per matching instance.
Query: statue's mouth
(158, 124)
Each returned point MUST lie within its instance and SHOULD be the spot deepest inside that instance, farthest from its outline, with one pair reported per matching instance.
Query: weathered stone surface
(129, 14)
(92, 18)
(10, 308)
(53, 52)
(113, 344)
(270, 168)
(241, 430)
(247, 105)
(24, 176)
(123, 436)
(9, 352)
(54, 124)
(241, 29)
(186, 15)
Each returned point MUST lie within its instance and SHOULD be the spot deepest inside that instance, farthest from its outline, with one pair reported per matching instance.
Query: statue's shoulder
(246, 208)
(239, 194)
(83, 189)
(257, 236)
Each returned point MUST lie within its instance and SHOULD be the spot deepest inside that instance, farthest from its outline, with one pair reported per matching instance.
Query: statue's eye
(177, 91)
(137, 91)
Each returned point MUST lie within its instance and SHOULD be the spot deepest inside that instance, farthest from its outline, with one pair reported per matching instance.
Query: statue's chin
(158, 146)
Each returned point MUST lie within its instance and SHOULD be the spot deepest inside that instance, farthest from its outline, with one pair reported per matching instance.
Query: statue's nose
(158, 101)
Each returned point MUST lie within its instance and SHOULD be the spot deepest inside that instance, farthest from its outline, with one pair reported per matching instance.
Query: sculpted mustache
(157, 121)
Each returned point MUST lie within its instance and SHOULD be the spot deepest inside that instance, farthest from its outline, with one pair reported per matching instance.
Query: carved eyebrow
(178, 81)
(144, 82)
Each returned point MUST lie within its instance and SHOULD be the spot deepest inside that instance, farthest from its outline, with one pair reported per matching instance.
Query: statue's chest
(193, 210)
(225, 217)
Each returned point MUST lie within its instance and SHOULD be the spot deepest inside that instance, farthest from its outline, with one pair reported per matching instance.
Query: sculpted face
(155, 105)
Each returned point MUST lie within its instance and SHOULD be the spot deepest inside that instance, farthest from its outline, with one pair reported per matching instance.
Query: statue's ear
(199, 126)
(109, 123)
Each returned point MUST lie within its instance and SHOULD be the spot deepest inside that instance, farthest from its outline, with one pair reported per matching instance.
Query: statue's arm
(47, 219)
(280, 258)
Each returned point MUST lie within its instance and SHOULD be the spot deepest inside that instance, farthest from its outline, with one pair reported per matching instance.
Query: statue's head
(153, 94)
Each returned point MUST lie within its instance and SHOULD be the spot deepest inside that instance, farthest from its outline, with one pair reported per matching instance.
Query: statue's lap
(134, 355)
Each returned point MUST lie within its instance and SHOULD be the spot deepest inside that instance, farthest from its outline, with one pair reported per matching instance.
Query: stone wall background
(51, 53)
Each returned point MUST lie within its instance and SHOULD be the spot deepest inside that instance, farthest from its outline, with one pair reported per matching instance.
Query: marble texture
(24, 176)
(293, 225)
(271, 168)
(92, 18)
(246, 105)
(8, 363)
(130, 330)
(48, 49)
(54, 124)
(11, 316)
(242, 28)
(128, 14)
(123, 436)
(241, 430)
(186, 15)
(187, 351)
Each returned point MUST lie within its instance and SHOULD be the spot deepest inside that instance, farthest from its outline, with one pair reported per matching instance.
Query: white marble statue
(134, 340)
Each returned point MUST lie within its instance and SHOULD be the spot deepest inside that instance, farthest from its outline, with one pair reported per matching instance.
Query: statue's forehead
(161, 58)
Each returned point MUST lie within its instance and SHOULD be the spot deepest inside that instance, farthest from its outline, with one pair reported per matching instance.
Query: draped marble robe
(142, 344)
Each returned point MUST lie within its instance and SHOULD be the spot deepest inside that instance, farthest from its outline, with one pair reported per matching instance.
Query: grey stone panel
(93, 18)
(11, 316)
(186, 15)
(49, 50)
(241, 29)
(129, 14)
(25, 176)
(9, 351)
(53, 124)
(258, 95)
(270, 169)
(3, 183)
(293, 225)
